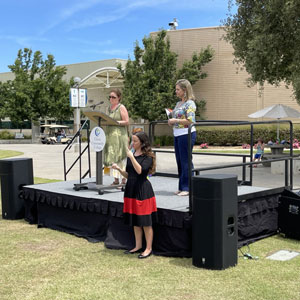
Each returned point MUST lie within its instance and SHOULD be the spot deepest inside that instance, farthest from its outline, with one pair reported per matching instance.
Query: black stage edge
(99, 217)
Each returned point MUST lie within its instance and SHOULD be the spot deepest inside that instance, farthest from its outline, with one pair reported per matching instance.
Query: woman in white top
(183, 115)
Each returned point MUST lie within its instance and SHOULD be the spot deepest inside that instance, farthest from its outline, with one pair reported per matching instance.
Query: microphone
(94, 105)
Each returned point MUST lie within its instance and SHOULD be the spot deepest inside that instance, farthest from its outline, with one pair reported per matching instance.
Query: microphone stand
(97, 104)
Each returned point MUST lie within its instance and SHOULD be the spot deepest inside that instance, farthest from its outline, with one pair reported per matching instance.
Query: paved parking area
(48, 163)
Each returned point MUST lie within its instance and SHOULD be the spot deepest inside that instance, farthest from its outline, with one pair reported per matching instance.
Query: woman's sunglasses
(112, 97)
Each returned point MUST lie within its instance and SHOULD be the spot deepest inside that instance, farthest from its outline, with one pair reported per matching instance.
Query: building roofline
(94, 61)
(81, 63)
(196, 28)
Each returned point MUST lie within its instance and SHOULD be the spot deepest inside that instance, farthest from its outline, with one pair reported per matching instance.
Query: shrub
(233, 135)
(246, 146)
(296, 144)
(5, 135)
(163, 140)
(204, 146)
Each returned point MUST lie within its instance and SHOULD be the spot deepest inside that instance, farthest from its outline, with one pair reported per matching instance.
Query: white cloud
(68, 12)
(210, 5)
(119, 13)
(90, 13)
(90, 43)
(90, 22)
(24, 41)
(111, 52)
(77, 7)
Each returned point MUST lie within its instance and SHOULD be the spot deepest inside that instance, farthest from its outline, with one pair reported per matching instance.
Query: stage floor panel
(164, 188)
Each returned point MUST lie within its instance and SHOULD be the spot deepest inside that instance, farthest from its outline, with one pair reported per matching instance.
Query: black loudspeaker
(289, 214)
(14, 174)
(214, 242)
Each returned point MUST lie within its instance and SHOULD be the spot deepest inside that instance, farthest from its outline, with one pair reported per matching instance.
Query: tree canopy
(37, 91)
(265, 36)
(149, 79)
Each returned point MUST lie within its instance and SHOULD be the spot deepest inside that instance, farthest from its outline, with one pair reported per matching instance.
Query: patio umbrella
(277, 111)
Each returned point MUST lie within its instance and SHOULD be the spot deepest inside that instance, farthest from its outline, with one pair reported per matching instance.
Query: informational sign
(82, 97)
(97, 139)
(78, 97)
(74, 97)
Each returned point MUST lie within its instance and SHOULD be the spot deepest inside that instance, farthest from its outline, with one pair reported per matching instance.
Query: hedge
(235, 135)
(6, 135)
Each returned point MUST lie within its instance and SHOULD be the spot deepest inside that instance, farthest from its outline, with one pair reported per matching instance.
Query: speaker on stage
(14, 174)
(214, 242)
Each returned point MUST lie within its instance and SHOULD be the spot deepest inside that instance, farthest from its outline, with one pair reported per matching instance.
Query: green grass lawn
(9, 153)
(38, 180)
(40, 264)
(43, 264)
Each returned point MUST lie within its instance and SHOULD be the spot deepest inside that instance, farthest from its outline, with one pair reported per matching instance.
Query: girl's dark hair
(146, 149)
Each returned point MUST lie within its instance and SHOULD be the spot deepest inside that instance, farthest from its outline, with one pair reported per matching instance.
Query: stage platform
(96, 217)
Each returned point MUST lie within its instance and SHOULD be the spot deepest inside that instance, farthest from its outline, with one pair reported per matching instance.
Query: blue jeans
(181, 153)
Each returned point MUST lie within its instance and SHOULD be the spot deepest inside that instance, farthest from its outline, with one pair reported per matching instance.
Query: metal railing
(288, 178)
(243, 156)
(80, 153)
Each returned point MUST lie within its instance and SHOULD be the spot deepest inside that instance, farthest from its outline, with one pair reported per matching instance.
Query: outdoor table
(276, 148)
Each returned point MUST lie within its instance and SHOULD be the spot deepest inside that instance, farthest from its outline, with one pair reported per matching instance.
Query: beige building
(225, 89)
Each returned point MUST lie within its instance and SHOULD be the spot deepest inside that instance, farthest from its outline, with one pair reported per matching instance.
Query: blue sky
(87, 30)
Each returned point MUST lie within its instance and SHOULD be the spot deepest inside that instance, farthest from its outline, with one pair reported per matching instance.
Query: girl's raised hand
(129, 153)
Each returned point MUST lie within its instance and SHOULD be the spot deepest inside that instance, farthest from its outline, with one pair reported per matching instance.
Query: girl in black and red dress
(139, 200)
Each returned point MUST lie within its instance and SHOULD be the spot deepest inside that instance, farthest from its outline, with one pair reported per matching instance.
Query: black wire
(247, 255)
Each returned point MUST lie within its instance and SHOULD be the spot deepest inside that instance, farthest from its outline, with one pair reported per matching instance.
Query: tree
(38, 90)
(150, 78)
(265, 36)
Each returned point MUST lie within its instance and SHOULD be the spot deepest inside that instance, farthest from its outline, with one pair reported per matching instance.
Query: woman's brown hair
(146, 149)
(117, 92)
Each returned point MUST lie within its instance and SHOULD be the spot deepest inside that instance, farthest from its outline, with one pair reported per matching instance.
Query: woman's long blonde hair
(186, 86)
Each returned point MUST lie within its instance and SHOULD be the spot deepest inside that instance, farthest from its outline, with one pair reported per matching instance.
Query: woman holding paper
(182, 116)
(115, 150)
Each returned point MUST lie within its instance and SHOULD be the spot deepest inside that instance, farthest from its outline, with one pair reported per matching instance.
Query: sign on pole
(74, 97)
(97, 139)
(82, 97)
(78, 97)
